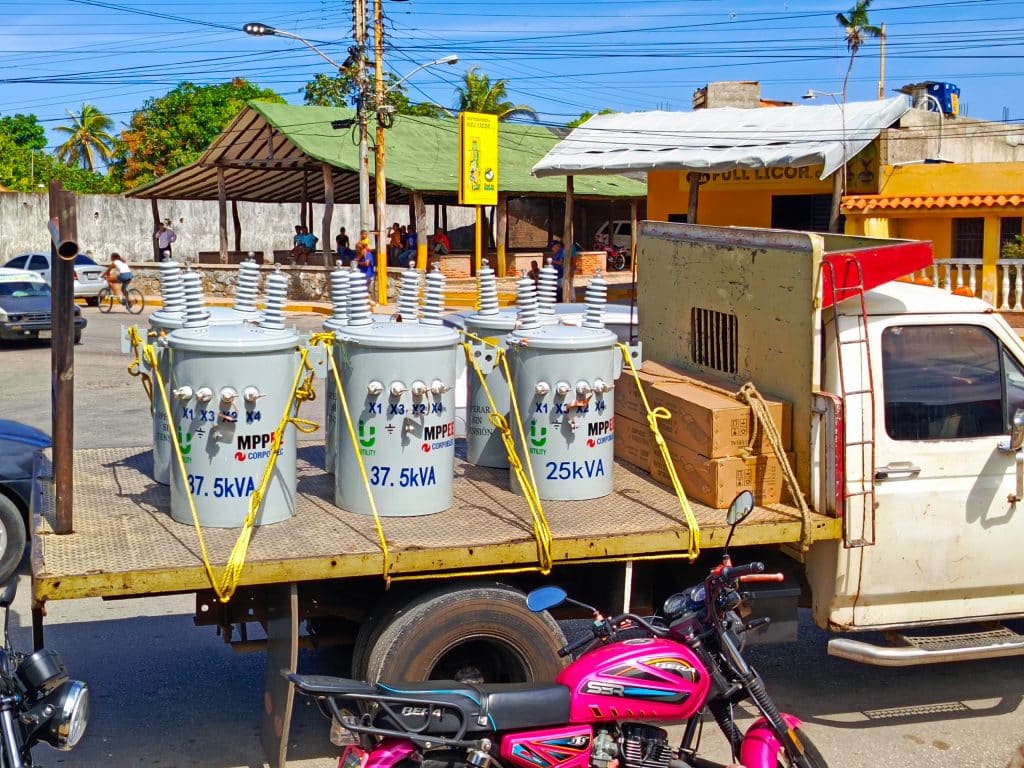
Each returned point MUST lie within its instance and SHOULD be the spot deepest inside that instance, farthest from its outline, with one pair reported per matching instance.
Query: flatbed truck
(451, 605)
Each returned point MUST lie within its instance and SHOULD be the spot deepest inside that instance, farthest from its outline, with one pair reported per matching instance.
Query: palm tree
(479, 94)
(856, 28)
(89, 139)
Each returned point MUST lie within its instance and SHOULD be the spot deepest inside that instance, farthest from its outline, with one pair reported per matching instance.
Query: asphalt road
(168, 694)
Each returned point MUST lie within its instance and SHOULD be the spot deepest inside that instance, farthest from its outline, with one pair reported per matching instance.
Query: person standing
(165, 237)
(368, 266)
(345, 252)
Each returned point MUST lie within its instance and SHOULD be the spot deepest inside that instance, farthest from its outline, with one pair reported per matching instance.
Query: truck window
(944, 382)
(1014, 387)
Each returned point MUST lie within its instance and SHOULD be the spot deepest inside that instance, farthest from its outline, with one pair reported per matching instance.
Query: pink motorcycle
(601, 709)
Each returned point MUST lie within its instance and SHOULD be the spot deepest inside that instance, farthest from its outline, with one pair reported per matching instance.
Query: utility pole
(881, 64)
(359, 32)
(379, 179)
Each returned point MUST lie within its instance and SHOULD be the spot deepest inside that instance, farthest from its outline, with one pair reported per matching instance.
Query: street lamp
(839, 180)
(355, 58)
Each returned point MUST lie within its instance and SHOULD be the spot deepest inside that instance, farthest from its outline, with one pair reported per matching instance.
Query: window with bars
(968, 238)
(713, 339)
(1009, 231)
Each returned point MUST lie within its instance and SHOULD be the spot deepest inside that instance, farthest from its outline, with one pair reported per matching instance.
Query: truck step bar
(992, 643)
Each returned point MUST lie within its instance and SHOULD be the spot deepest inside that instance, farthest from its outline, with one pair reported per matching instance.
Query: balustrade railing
(964, 276)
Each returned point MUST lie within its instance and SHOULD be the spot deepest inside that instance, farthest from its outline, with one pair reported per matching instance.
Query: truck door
(948, 534)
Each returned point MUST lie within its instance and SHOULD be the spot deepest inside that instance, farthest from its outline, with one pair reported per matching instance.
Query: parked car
(18, 444)
(88, 274)
(25, 303)
(621, 234)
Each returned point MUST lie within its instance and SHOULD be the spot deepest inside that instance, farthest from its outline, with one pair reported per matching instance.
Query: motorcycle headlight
(70, 706)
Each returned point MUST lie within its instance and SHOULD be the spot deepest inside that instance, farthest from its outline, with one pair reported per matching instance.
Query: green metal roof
(421, 152)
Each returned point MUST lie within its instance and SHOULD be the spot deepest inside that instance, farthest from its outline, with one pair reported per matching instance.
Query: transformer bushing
(340, 279)
(398, 381)
(230, 385)
(564, 381)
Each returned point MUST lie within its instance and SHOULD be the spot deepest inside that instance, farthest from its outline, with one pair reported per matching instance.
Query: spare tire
(473, 633)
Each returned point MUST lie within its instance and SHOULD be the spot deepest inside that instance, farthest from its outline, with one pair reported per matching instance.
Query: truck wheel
(390, 605)
(12, 538)
(473, 634)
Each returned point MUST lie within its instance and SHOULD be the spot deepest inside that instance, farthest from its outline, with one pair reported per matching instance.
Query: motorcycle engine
(644, 746)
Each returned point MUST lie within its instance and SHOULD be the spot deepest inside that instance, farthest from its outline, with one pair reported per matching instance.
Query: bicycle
(134, 303)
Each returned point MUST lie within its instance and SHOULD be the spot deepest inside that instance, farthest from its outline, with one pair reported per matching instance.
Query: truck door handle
(895, 469)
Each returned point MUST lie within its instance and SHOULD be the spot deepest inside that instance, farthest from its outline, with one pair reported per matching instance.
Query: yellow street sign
(478, 159)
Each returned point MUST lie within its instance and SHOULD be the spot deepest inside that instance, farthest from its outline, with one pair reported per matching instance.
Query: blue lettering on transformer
(574, 470)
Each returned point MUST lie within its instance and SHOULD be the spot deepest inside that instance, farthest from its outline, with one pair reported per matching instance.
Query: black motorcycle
(39, 702)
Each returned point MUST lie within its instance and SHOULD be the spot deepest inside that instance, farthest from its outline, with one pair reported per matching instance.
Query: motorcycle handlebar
(756, 577)
(571, 648)
(734, 572)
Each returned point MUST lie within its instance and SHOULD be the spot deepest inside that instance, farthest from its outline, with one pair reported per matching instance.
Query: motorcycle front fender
(760, 748)
(389, 753)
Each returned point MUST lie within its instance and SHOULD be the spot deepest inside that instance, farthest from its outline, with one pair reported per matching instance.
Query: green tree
(857, 28)
(89, 141)
(340, 91)
(586, 116)
(24, 169)
(24, 130)
(478, 94)
(173, 130)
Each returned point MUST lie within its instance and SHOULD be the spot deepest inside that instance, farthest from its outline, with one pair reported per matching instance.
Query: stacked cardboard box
(708, 436)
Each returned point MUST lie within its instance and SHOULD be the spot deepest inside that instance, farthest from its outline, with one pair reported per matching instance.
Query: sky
(561, 57)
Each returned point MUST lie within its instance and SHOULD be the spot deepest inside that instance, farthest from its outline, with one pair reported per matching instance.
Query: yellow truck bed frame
(126, 544)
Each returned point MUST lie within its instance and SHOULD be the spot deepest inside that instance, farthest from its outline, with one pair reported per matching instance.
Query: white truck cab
(907, 423)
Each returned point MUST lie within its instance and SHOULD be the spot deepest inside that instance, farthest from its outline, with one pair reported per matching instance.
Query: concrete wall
(109, 223)
(964, 140)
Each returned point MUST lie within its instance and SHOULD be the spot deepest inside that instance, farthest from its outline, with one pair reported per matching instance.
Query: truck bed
(126, 544)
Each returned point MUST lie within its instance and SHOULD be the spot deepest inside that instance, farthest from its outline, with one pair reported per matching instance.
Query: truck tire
(12, 538)
(386, 610)
(471, 633)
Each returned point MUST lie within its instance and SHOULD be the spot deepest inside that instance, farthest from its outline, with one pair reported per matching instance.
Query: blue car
(18, 445)
(25, 307)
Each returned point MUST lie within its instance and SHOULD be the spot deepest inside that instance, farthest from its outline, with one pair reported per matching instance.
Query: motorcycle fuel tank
(641, 679)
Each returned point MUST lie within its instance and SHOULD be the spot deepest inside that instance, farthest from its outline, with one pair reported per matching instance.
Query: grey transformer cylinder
(230, 386)
(398, 381)
(563, 379)
(484, 446)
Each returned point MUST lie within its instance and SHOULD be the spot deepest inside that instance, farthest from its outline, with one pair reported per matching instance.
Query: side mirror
(7, 597)
(741, 506)
(543, 598)
(1017, 430)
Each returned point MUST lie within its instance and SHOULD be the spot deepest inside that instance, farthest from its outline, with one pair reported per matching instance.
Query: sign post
(478, 169)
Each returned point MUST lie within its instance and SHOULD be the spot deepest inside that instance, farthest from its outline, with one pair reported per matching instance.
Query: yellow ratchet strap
(653, 415)
(134, 367)
(327, 339)
(225, 586)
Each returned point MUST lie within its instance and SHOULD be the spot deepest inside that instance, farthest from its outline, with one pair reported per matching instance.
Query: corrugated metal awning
(717, 140)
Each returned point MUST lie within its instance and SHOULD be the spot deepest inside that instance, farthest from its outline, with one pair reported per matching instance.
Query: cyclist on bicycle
(118, 272)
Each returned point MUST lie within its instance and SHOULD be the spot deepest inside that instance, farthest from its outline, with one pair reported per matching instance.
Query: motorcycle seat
(490, 707)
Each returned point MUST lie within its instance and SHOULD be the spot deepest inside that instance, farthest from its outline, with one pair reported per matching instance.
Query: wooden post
(634, 223)
(328, 212)
(303, 221)
(837, 198)
(420, 218)
(237, 222)
(568, 263)
(444, 218)
(501, 238)
(154, 206)
(691, 213)
(62, 352)
(222, 214)
(551, 222)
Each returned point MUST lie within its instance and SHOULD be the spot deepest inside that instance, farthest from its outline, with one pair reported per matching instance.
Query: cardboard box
(627, 398)
(706, 417)
(634, 443)
(716, 482)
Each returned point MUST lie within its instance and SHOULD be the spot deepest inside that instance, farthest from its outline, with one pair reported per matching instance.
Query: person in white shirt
(164, 237)
(119, 271)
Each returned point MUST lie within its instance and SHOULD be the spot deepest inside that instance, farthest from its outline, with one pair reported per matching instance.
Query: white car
(622, 234)
(88, 274)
